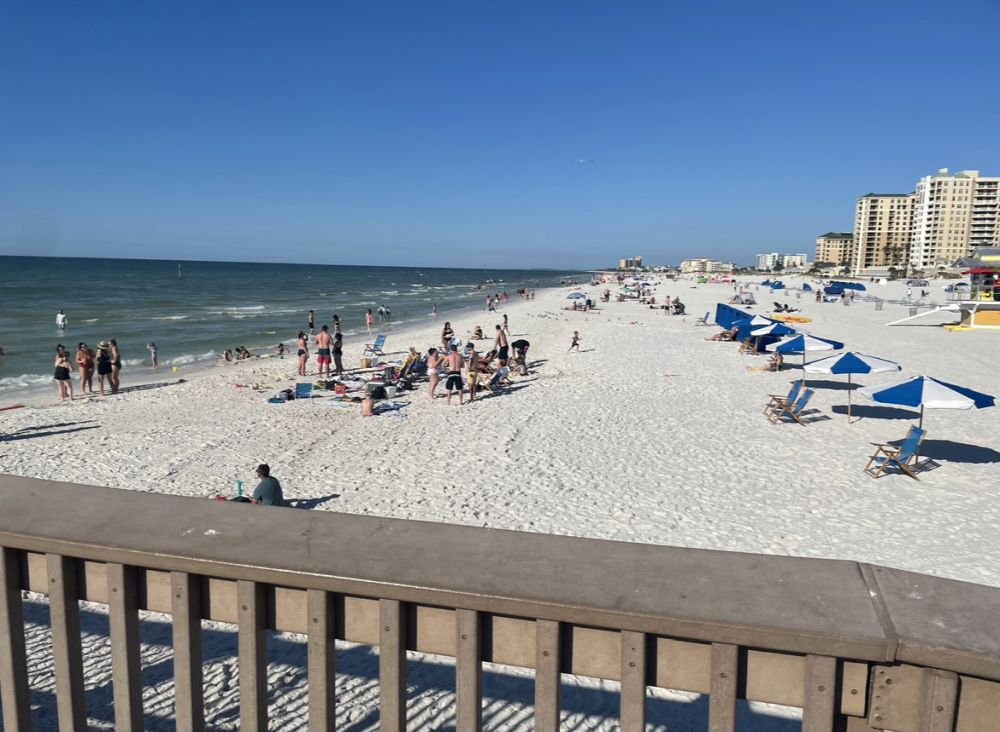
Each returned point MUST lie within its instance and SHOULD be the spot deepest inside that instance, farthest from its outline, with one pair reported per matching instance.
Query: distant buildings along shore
(939, 223)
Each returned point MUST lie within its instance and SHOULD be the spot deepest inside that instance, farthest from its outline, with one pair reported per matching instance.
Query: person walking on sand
(323, 344)
(116, 367)
(455, 364)
(153, 354)
(472, 368)
(303, 354)
(506, 325)
(312, 322)
(369, 320)
(85, 362)
(576, 342)
(61, 320)
(63, 380)
(501, 345)
(338, 353)
(433, 364)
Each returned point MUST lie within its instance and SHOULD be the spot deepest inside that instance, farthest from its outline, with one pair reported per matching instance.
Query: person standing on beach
(323, 345)
(85, 362)
(338, 353)
(153, 354)
(472, 368)
(61, 320)
(303, 352)
(433, 364)
(63, 381)
(116, 367)
(506, 325)
(104, 367)
(312, 322)
(455, 364)
(501, 345)
(446, 335)
(576, 342)
(369, 320)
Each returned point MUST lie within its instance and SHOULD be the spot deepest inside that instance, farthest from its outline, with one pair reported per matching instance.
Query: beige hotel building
(836, 248)
(882, 223)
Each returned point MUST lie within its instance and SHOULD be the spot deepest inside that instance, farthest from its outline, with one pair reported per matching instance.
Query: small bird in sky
(583, 162)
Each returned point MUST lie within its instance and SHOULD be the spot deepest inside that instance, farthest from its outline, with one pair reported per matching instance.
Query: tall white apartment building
(766, 262)
(794, 261)
(706, 265)
(836, 248)
(882, 231)
(952, 214)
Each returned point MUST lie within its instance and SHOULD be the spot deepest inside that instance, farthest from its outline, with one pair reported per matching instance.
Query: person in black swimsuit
(116, 367)
(103, 364)
(61, 375)
(338, 352)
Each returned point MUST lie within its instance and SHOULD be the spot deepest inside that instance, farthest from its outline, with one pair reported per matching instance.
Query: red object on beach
(13, 406)
(982, 270)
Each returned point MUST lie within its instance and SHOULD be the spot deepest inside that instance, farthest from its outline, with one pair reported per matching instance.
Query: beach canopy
(848, 285)
(851, 363)
(775, 329)
(576, 296)
(806, 287)
(727, 315)
(926, 391)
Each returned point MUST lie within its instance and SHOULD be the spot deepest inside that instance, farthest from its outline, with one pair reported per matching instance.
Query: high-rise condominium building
(882, 223)
(836, 248)
(952, 214)
(767, 262)
(706, 265)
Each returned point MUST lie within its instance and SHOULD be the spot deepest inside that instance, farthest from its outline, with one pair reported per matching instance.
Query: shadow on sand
(47, 430)
(859, 411)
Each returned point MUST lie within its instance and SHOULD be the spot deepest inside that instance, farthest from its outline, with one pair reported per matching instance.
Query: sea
(193, 311)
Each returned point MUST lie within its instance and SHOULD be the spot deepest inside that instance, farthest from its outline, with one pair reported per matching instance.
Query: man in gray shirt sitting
(268, 491)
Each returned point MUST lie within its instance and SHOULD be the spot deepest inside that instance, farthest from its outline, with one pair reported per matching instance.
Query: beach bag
(340, 389)
(378, 392)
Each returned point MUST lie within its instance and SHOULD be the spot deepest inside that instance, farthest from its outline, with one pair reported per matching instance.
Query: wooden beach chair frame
(778, 414)
(703, 320)
(778, 400)
(903, 457)
(749, 345)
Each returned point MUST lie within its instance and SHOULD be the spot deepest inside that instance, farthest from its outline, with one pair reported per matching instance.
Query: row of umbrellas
(918, 391)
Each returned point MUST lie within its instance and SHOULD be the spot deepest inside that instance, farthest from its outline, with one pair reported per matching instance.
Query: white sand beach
(649, 434)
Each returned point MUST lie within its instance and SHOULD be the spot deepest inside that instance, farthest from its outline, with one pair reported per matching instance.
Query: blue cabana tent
(726, 315)
(806, 287)
(777, 285)
(833, 290)
(848, 285)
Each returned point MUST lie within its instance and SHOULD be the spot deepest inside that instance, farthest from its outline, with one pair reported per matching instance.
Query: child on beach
(369, 320)
(576, 342)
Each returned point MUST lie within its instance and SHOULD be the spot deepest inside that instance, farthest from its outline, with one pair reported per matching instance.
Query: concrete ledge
(769, 602)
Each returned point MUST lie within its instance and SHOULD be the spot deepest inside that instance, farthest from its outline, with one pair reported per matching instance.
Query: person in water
(63, 380)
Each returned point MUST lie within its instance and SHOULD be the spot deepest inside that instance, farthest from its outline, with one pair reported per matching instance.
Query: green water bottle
(239, 489)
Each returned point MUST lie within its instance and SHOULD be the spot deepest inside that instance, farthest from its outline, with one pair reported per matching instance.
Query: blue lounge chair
(375, 348)
(903, 457)
(704, 319)
(776, 400)
(794, 410)
(303, 391)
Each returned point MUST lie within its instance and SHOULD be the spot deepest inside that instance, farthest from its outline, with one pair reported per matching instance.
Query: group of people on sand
(106, 362)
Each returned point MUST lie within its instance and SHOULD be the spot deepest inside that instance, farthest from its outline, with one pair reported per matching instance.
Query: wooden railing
(856, 646)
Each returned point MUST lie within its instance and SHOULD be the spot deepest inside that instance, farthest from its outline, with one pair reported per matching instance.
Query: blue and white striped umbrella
(775, 328)
(851, 363)
(925, 391)
(802, 343)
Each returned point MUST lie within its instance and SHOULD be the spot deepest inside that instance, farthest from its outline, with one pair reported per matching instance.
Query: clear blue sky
(445, 133)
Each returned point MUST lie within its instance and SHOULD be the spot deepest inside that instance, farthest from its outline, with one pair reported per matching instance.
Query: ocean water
(212, 306)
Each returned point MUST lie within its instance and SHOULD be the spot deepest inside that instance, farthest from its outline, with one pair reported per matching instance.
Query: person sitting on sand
(477, 334)
(280, 350)
(726, 335)
(268, 491)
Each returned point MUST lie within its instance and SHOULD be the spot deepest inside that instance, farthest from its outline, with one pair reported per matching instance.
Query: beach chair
(375, 349)
(777, 400)
(793, 410)
(749, 345)
(903, 457)
(303, 391)
(703, 320)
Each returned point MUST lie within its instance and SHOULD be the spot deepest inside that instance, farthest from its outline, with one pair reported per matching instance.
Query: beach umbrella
(926, 391)
(804, 343)
(576, 296)
(851, 363)
(774, 328)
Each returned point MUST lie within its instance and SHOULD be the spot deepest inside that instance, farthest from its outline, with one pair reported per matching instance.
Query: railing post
(392, 667)
(548, 680)
(468, 672)
(322, 665)
(722, 697)
(126, 673)
(67, 648)
(13, 656)
(252, 619)
(633, 675)
(185, 602)
(820, 686)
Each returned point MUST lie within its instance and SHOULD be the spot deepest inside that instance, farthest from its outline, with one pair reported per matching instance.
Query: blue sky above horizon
(447, 133)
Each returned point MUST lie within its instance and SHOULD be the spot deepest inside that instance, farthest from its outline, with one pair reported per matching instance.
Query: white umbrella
(851, 363)
(924, 391)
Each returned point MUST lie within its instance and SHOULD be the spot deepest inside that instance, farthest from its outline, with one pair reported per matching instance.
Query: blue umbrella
(776, 328)
(925, 391)
(575, 296)
(804, 342)
(851, 363)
